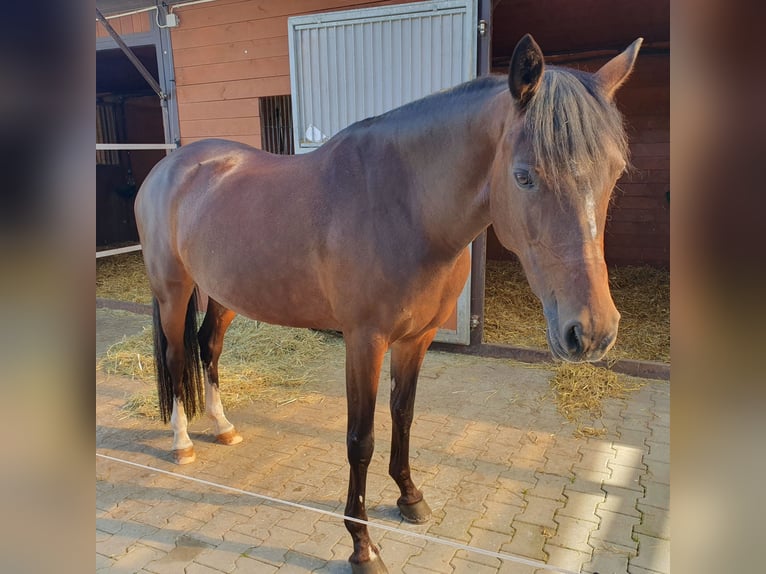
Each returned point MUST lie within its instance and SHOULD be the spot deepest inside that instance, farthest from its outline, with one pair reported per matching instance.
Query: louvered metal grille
(350, 65)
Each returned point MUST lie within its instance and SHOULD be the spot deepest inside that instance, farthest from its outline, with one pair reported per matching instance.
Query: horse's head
(563, 149)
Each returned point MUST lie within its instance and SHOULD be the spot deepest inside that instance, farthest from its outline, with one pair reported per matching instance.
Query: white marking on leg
(361, 499)
(590, 212)
(214, 408)
(179, 423)
(393, 384)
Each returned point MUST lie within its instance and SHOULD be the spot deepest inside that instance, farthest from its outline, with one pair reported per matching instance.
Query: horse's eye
(523, 178)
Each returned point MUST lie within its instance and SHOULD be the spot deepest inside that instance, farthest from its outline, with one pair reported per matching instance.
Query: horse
(368, 235)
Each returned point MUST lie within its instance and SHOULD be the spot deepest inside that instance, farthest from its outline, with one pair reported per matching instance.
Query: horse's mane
(569, 124)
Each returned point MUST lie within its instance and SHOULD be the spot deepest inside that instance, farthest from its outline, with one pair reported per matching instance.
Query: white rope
(426, 537)
(134, 146)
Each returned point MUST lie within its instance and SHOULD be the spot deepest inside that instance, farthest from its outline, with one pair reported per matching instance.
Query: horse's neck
(456, 153)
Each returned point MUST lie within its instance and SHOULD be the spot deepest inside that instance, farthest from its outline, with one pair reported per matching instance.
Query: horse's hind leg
(178, 364)
(217, 320)
(406, 359)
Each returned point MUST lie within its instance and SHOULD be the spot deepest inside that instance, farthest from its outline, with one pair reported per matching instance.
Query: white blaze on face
(590, 213)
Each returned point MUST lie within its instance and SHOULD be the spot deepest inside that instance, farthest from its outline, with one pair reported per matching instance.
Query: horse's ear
(526, 70)
(614, 73)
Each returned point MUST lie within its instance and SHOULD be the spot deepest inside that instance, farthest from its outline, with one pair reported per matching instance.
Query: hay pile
(513, 315)
(259, 362)
(580, 390)
(123, 278)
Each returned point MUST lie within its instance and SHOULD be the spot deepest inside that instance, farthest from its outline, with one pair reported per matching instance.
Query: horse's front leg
(364, 356)
(406, 359)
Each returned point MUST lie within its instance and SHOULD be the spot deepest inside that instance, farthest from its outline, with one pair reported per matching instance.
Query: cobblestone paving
(498, 465)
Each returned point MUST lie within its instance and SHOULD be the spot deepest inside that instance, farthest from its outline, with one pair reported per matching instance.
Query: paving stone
(616, 529)
(296, 562)
(653, 554)
(435, 556)
(223, 557)
(485, 540)
(519, 472)
(620, 500)
(625, 477)
(119, 543)
(550, 486)
(463, 565)
(594, 460)
(639, 421)
(498, 517)
(629, 455)
(656, 494)
(455, 524)
(135, 559)
(633, 438)
(604, 562)
(659, 451)
(572, 533)
(486, 473)
(108, 525)
(558, 462)
(655, 522)
(412, 569)
(222, 521)
(187, 549)
(528, 540)
(539, 511)
(510, 567)
(197, 568)
(322, 539)
(588, 481)
(396, 554)
(566, 557)
(103, 562)
(249, 565)
(658, 472)
(472, 496)
(581, 505)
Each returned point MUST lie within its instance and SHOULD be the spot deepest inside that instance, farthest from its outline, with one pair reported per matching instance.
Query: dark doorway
(127, 111)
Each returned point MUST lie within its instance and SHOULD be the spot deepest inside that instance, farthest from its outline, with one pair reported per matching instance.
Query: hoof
(374, 566)
(417, 513)
(229, 438)
(184, 455)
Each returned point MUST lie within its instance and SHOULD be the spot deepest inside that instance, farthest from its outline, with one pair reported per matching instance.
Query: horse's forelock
(571, 126)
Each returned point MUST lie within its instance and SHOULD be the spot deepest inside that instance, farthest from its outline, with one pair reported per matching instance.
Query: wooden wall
(229, 53)
(638, 229)
(124, 25)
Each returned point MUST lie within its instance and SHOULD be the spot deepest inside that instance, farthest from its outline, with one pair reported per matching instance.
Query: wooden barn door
(349, 65)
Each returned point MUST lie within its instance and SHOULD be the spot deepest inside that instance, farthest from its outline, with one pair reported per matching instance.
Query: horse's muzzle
(576, 342)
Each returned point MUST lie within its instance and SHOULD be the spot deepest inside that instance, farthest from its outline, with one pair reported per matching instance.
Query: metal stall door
(349, 65)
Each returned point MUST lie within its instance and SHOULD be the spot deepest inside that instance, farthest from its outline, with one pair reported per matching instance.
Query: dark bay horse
(368, 235)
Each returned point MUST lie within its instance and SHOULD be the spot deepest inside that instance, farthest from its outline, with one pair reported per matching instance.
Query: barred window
(277, 124)
(106, 132)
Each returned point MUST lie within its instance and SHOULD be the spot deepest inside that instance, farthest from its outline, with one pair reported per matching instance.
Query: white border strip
(426, 537)
(128, 146)
(108, 252)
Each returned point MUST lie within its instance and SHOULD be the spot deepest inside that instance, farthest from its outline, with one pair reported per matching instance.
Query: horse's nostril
(573, 339)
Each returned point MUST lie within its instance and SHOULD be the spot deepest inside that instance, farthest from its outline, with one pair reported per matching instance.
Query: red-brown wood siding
(229, 53)
(125, 25)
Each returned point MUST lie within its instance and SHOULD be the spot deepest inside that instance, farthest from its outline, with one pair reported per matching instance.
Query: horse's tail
(191, 392)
